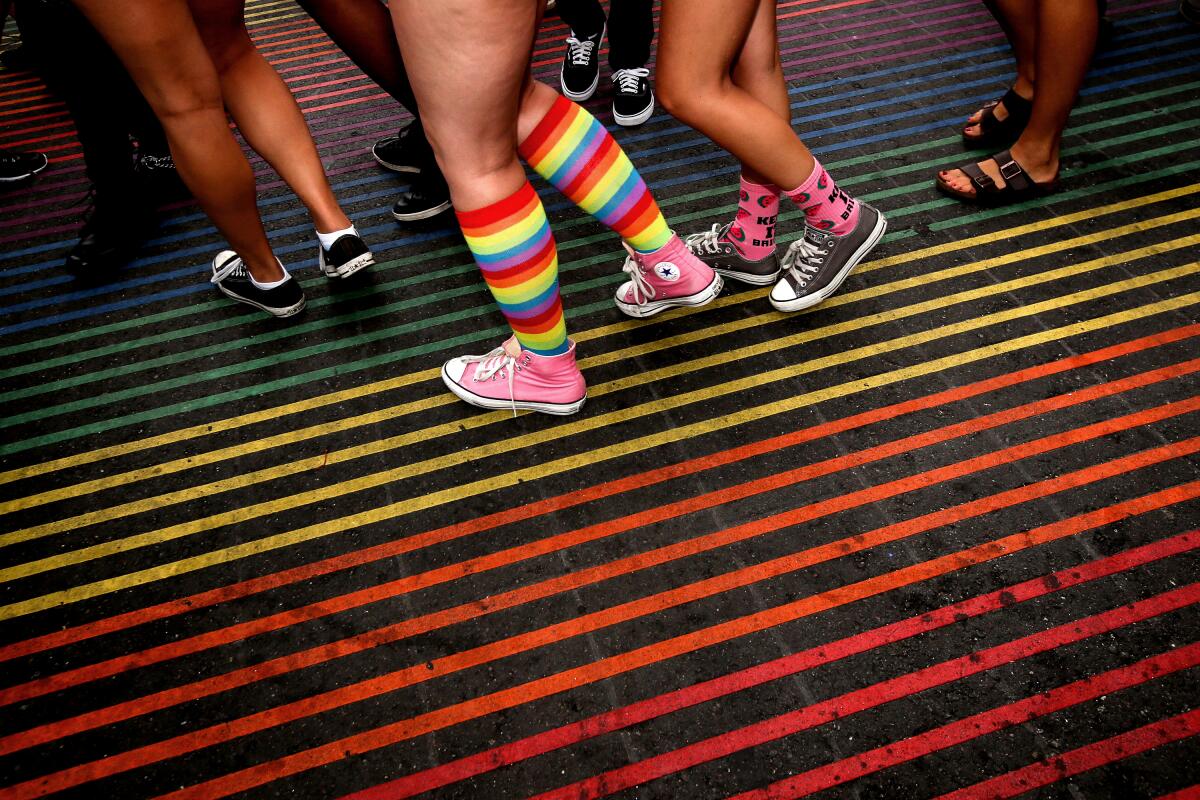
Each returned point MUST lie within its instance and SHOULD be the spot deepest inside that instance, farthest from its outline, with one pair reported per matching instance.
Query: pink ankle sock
(826, 206)
(753, 229)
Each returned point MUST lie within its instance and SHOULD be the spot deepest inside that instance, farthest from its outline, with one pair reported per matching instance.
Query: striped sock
(573, 151)
(513, 245)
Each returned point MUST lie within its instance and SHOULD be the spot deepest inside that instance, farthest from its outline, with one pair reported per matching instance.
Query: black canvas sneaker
(580, 73)
(427, 196)
(231, 277)
(407, 152)
(347, 256)
(714, 248)
(16, 166)
(633, 100)
(817, 264)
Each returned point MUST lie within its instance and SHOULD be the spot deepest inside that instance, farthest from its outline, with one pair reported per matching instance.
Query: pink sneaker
(671, 276)
(509, 377)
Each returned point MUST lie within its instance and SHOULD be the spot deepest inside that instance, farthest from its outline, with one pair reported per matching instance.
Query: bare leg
(158, 42)
(1065, 40)
(1019, 19)
(265, 111)
(363, 29)
(759, 72)
(699, 43)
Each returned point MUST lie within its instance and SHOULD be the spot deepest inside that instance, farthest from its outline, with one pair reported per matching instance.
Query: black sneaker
(407, 152)
(817, 264)
(160, 177)
(427, 196)
(231, 277)
(110, 237)
(1190, 10)
(347, 256)
(580, 73)
(16, 166)
(633, 100)
(714, 248)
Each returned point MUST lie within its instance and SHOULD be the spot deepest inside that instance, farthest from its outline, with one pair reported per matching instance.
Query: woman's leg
(1066, 37)
(162, 50)
(1019, 19)
(265, 111)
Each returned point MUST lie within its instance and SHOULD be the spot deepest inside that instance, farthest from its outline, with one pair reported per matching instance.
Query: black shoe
(407, 152)
(347, 256)
(231, 277)
(1190, 10)
(19, 57)
(714, 248)
(817, 264)
(160, 177)
(110, 239)
(16, 166)
(580, 71)
(427, 196)
(633, 100)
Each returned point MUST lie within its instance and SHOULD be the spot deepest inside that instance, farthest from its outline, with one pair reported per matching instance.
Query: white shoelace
(642, 290)
(580, 52)
(629, 80)
(709, 241)
(804, 259)
(233, 266)
(492, 363)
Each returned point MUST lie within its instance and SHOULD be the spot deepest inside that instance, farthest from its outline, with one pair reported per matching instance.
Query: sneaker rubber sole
(26, 176)
(701, 298)
(816, 298)
(424, 214)
(749, 277)
(558, 409)
(381, 161)
(578, 97)
(635, 119)
(280, 313)
(345, 270)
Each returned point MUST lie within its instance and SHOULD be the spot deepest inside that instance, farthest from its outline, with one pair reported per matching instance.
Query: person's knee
(686, 96)
(469, 159)
(184, 100)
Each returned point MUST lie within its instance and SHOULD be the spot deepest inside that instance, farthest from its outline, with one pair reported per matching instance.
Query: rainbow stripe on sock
(573, 151)
(513, 245)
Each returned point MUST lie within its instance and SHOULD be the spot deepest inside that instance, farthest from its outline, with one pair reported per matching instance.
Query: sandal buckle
(1010, 170)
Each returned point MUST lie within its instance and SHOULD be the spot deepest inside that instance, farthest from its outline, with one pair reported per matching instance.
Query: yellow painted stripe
(301, 465)
(401, 381)
(593, 457)
(359, 451)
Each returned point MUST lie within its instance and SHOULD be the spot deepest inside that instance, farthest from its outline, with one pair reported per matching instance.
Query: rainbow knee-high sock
(513, 245)
(573, 151)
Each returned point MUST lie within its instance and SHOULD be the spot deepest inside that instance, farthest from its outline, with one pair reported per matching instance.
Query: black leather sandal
(995, 132)
(1018, 186)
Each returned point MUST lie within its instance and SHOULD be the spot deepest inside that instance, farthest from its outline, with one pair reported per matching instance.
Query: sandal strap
(1016, 105)
(1018, 109)
(983, 182)
(1015, 177)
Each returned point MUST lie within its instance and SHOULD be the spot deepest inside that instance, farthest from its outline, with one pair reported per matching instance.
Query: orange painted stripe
(579, 497)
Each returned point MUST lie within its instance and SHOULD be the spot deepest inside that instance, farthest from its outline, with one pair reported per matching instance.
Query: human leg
(998, 123)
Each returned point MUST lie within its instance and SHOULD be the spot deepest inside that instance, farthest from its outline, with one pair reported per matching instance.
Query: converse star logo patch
(667, 271)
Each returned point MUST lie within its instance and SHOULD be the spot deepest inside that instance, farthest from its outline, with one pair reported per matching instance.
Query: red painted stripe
(870, 697)
(1082, 759)
(627, 565)
(972, 727)
(635, 713)
(552, 684)
(1190, 793)
(611, 488)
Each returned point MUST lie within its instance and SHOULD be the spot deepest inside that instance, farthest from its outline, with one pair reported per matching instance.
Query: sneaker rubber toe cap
(455, 368)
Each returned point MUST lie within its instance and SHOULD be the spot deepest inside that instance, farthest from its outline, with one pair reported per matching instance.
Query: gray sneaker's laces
(629, 80)
(579, 52)
(804, 259)
(709, 241)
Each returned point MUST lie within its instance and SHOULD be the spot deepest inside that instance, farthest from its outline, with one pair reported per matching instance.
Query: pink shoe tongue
(512, 347)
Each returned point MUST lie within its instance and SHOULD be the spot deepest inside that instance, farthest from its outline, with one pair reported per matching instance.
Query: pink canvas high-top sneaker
(670, 277)
(510, 377)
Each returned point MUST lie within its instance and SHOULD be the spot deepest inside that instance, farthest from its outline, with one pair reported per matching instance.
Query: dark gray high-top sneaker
(817, 264)
(714, 248)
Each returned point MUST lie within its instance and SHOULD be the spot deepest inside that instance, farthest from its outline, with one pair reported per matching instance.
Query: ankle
(1024, 86)
(1038, 159)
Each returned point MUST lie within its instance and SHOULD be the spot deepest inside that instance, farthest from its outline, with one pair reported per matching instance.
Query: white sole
(279, 313)
(580, 97)
(346, 270)
(808, 301)
(27, 175)
(432, 212)
(558, 409)
(391, 166)
(701, 298)
(750, 278)
(636, 119)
